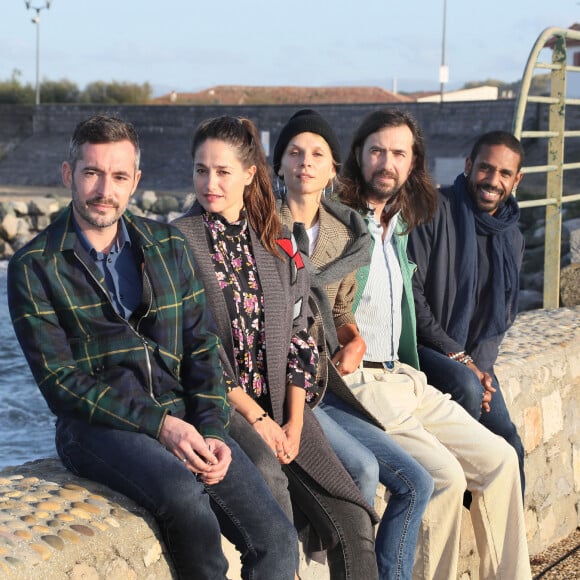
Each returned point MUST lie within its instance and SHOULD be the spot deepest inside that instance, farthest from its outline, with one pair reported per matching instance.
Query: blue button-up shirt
(119, 269)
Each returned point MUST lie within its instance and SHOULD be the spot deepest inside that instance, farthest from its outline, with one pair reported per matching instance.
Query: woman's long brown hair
(259, 200)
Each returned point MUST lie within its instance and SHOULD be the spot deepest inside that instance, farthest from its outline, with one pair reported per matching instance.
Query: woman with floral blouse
(257, 290)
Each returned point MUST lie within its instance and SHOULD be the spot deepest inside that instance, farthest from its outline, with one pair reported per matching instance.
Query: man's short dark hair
(498, 138)
(102, 129)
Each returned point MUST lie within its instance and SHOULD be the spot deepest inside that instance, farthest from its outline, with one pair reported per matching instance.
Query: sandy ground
(560, 561)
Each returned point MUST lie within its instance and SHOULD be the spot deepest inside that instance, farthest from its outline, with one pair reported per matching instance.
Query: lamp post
(36, 21)
(444, 69)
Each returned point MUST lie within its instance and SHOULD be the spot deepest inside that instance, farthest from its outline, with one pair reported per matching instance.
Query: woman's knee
(406, 477)
(365, 473)
(422, 487)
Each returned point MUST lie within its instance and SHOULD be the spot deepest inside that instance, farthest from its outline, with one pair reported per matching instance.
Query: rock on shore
(23, 215)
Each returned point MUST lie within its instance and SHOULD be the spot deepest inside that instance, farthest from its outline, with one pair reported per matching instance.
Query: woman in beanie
(306, 157)
(256, 287)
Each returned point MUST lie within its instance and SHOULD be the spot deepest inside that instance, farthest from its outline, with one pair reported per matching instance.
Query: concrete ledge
(56, 526)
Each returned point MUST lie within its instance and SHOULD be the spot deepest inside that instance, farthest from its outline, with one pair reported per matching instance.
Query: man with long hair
(385, 178)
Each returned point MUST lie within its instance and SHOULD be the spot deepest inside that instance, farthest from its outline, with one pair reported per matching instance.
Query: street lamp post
(444, 69)
(36, 22)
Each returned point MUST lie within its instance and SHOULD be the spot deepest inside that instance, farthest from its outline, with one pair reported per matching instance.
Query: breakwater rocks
(23, 216)
(532, 224)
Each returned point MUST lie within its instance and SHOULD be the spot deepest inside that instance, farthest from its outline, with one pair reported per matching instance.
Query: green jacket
(408, 340)
(92, 364)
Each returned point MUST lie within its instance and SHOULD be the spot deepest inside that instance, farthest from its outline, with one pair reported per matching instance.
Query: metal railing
(556, 135)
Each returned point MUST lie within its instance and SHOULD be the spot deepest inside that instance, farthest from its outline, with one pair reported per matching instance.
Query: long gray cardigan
(316, 457)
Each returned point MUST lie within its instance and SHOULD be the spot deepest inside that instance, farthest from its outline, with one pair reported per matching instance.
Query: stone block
(510, 386)
(23, 227)
(574, 368)
(541, 377)
(40, 222)
(166, 204)
(553, 421)
(576, 465)
(532, 433)
(148, 199)
(547, 526)
(575, 241)
(9, 227)
(188, 201)
(531, 521)
(43, 206)
(19, 208)
(173, 215)
(570, 285)
(21, 240)
(6, 250)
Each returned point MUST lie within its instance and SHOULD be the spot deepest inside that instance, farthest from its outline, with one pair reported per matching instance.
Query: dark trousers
(344, 528)
(190, 515)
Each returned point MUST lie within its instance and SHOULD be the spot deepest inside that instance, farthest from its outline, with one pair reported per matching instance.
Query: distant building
(483, 93)
(279, 95)
(572, 59)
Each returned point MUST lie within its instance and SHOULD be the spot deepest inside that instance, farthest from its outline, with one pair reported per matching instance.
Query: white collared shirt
(312, 234)
(378, 314)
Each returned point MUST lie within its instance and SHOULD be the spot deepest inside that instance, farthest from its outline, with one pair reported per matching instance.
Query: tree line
(14, 92)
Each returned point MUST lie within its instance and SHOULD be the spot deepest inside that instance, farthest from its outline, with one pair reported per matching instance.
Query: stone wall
(166, 132)
(56, 526)
(33, 140)
(33, 143)
(22, 218)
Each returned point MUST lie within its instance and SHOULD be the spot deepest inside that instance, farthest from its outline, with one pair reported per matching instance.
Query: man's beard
(484, 204)
(379, 192)
(99, 221)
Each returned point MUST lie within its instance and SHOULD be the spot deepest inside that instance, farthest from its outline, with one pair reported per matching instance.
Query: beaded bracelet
(260, 418)
(461, 357)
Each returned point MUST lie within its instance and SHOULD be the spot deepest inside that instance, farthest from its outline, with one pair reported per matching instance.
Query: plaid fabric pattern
(92, 364)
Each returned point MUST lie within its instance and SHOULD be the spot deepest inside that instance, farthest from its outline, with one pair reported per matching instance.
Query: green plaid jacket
(92, 364)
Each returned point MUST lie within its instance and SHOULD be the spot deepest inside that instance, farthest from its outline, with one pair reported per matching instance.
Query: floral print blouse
(237, 276)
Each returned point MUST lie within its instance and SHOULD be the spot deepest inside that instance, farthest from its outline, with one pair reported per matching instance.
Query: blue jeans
(360, 462)
(408, 482)
(462, 384)
(190, 515)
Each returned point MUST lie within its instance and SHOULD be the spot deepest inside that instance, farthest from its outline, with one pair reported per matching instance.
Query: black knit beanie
(305, 121)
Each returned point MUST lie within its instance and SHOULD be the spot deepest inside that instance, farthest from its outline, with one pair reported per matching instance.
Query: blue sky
(188, 45)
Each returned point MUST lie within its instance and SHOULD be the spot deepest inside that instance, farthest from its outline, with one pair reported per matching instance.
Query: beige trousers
(460, 454)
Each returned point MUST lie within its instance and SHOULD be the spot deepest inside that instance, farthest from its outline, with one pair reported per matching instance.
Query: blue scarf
(504, 291)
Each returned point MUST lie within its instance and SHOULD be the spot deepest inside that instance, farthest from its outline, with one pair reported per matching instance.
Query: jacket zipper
(133, 330)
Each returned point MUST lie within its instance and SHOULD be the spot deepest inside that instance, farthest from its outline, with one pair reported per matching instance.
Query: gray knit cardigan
(316, 457)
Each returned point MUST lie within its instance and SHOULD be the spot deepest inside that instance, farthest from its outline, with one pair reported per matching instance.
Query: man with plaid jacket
(113, 323)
